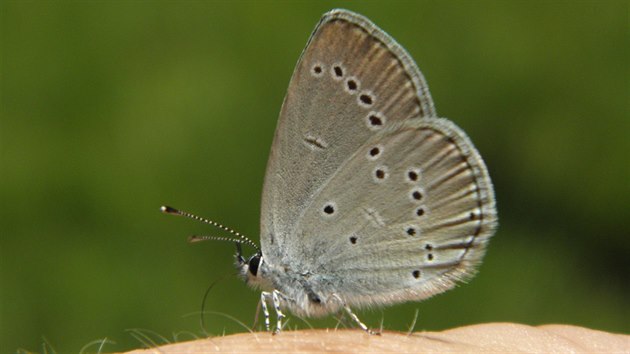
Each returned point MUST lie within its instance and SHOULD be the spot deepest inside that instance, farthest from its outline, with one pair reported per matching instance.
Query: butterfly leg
(263, 302)
(341, 320)
(275, 298)
(276, 303)
(354, 317)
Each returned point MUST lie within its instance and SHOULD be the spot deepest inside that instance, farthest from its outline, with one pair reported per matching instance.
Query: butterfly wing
(405, 217)
(352, 81)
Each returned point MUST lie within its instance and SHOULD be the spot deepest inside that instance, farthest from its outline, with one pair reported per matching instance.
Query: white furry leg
(276, 303)
(275, 298)
(263, 302)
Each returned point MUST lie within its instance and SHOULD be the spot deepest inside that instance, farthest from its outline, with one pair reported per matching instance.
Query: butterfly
(370, 199)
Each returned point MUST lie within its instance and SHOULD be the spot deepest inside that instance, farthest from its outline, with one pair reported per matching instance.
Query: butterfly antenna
(241, 238)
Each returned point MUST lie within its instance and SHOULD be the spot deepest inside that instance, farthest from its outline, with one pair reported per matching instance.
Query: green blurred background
(111, 109)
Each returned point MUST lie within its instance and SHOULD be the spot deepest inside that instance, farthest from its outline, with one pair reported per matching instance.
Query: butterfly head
(249, 268)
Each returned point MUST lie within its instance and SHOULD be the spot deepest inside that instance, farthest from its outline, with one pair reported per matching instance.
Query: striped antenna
(241, 238)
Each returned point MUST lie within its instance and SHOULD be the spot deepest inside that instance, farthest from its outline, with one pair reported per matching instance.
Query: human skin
(480, 338)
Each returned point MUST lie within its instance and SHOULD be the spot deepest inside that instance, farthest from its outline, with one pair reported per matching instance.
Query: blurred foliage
(110, 109)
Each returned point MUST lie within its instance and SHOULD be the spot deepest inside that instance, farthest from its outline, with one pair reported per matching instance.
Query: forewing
(352, 82)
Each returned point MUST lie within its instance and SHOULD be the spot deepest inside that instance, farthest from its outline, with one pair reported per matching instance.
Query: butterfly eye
(254, 263)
